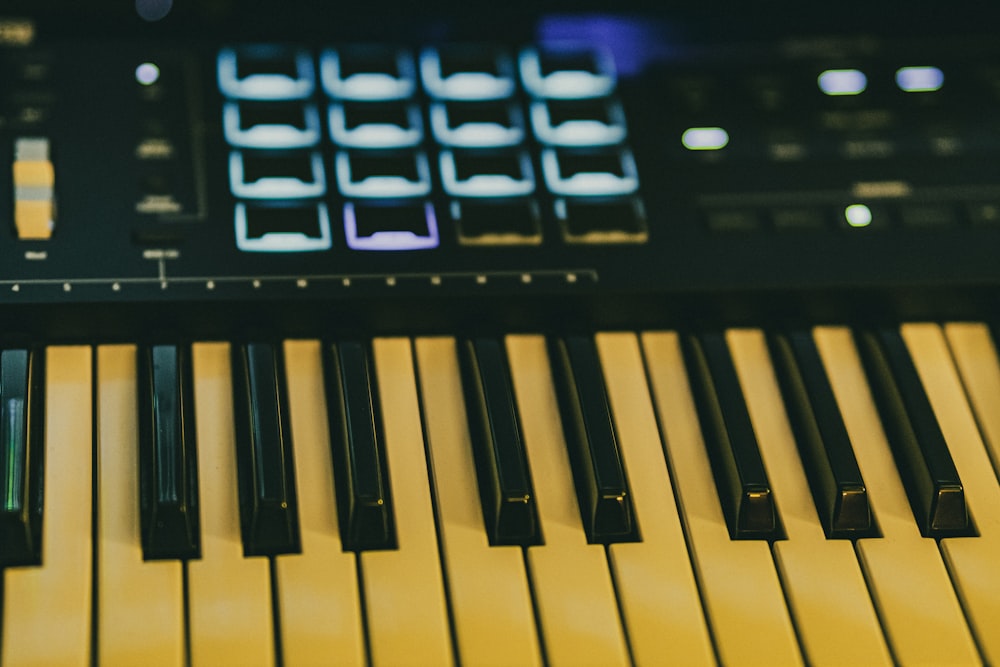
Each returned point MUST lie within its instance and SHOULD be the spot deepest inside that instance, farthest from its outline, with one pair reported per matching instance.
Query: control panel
(599, 160)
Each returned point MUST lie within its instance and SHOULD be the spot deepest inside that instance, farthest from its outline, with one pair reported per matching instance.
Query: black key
(269, 518)
(360, 466)
(837, 486)
(508, 498)
(743, 487)
(22, 448)
(918, 446)
(168, 458)
(605, 502)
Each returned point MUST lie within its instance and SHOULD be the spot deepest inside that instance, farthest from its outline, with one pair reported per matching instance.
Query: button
(602, 221)
(727, 220)
(744, 489)
(387, 227)
(578, 122)
(282, 227)
(461, 72)
(792, 219)
(590, 172)
(268, 511)
(270, 125)
(928, 216)
(368, 73)
(477, 124)
(34, 189)
(567, 73)
(383, 175)
(168, 473)
(497, 222)
(276, 175)
(266, 73)
(602, 490)
(362, 479)
(21, 456)
(393, 124)
(932, 483)
(505, 487)
(487, 174)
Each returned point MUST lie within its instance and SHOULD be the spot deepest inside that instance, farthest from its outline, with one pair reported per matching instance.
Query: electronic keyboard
(555, 335)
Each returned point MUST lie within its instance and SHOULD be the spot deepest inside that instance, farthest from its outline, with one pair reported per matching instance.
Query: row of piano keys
(684, 592)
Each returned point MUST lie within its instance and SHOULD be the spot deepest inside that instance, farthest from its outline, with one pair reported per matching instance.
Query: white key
(140, 613)
(823, 582)
(910, 586)
(739, 584)
(487, 586)
(404, 592)
(574, 594)
(46, 615)
(317, 590)
(654, 580)
(971, 560)
(229, 596)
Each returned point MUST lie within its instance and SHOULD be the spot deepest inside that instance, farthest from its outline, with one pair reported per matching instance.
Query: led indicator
(858, 215)
(147, 74)
(919, 79)
(705, 138)
(843, 82)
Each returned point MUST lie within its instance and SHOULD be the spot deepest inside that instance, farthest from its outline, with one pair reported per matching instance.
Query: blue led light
(919, 79)
(838, 82)
(147, 74)
(705, 139)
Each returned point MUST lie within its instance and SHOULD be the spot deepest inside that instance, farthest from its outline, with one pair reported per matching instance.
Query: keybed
(681, 587)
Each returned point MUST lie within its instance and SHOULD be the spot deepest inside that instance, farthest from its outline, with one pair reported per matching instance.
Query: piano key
(228, 596)
(363, 494)
(505, 486)
(654, 578)
(487, 586)
(567, 574)
(920, 613)
(268, 512)
(46, 609)
(22, 444)
(406, 610)
(602, 489)
(732, 447)
(838, 488)
(823, 582)
(140, 604)
(317, 591)
(932, 483)
(971, 561)
(168, 472)
(739, 586)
